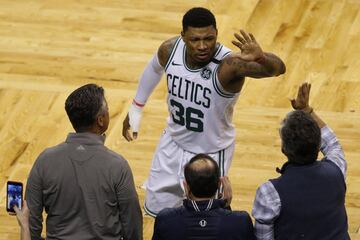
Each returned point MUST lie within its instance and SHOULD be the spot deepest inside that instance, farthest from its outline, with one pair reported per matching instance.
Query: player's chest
(196, 87)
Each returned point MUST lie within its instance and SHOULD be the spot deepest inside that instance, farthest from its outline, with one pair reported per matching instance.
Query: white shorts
(164, 187)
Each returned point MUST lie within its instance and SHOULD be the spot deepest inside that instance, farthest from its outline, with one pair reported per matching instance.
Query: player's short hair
(83, 106)
(202, 176)
(198, 17)
(301, 137)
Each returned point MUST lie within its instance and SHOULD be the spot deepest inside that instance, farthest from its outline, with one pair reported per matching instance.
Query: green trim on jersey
(149, 212)
(221, 162)
(218, 51)
(217, 88)
(172, 53)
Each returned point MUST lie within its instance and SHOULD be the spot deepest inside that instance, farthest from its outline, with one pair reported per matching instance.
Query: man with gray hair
(308, 200)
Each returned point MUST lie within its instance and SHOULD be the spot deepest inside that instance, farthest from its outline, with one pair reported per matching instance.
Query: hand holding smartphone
(14, 196)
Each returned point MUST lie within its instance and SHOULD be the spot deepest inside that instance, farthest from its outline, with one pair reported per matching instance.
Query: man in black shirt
(203, 216)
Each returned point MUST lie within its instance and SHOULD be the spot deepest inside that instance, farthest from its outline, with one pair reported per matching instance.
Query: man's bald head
(202, 176)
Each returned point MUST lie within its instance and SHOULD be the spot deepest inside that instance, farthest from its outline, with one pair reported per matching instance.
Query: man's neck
(93, 130)
(196, 65)
(193, 64)
(192, 197)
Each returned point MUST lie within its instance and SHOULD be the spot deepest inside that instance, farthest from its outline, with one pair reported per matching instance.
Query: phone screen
(13, 195)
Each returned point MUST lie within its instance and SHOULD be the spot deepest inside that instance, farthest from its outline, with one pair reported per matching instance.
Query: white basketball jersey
(200, 111)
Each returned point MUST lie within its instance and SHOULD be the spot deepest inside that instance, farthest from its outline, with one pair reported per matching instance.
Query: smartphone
(14, 193)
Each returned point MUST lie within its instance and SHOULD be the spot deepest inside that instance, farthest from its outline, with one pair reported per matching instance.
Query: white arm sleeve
(149, 80)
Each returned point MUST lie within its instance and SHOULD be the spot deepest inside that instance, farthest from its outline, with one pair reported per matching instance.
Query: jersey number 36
(188, 117)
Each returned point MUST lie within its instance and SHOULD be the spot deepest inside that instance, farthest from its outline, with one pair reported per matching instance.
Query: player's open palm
(302, 99)
(250, 49)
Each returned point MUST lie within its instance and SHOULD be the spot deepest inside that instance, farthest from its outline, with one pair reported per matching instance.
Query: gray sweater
(87, 191)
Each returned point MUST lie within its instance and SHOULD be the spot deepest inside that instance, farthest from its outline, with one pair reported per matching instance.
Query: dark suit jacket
(203, 220)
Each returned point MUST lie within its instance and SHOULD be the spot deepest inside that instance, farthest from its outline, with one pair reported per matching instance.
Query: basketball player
(204, 80)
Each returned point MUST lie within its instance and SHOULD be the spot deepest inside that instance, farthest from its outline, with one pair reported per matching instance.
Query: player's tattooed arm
(165, 49)
(251, 61)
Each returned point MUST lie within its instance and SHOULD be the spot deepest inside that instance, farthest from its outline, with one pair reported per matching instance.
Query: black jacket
(203, 220)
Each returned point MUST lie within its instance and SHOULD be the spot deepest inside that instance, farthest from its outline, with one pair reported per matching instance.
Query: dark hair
(301, 137)
(202, 176)
(198, 17)
(83, 105)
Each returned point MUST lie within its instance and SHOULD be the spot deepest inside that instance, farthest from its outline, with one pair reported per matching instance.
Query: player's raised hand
(250, 49)
(302, 99)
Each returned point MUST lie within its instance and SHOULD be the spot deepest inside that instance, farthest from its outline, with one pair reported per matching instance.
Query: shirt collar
(205, 205)
(86, 138)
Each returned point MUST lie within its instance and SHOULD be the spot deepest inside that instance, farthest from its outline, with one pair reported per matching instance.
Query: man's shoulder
(242, 215)
(237, 221)
(169, 43)
(170, 212)
(165, 50)
(54, 150)
(114, 156)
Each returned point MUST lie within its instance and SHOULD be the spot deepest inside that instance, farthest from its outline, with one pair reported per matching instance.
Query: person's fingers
(25, 209)
(225, 179)
(226, 185)
(227, 191)
(306, 91)
(299, 92)
(239, 45)
(238, 37)
(16, 209)
(308, 87)
(245, 36)
(126, 134)
(222, 181)
(236, 43)
(293, 103)
(126, 128)
(252, 37)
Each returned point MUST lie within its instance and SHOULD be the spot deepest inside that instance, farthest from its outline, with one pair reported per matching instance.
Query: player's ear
(182, 34)
(186, 188)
